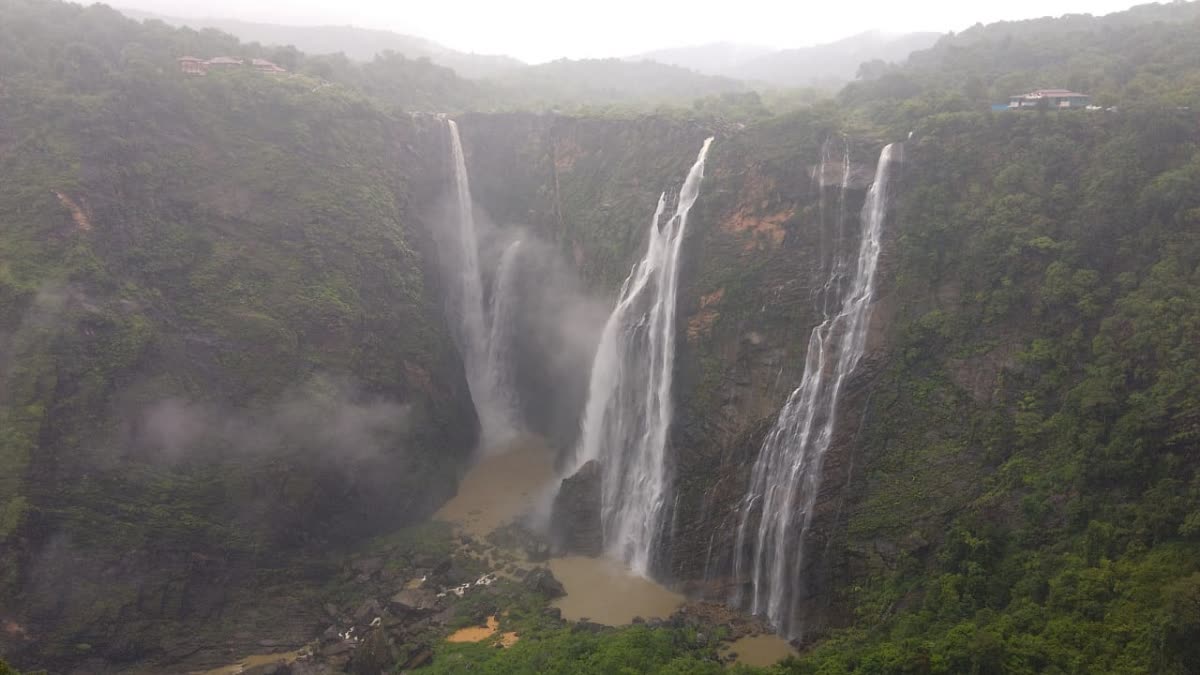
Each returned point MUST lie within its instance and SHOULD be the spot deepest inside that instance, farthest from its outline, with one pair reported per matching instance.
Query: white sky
(542, 30)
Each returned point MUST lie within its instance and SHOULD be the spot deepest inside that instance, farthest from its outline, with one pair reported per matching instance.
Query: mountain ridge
(829, 64)
(357, 43)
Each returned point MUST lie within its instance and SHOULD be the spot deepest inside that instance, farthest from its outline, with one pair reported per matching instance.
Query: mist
(329, 418)
(537, 31)
(550, 326)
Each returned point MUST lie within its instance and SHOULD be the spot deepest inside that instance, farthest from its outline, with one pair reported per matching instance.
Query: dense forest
(195, 270)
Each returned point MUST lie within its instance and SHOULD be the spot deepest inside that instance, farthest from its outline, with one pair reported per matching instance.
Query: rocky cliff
(755, 255)
(221, 346)
(1012, 283)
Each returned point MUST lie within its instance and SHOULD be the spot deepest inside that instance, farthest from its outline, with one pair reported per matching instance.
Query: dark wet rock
(443, 617)
(280, 667)
(412, 600)
(575, 523)
(458, 574)
(373, 656)
(420, 656)
(367, 611)
(517, 537)
(330, 610)
(585, 626)
(553, 612)
(538, 551)
(367, 567)
(312, 668)
(637, 620)
(336, 648)
(541, 580)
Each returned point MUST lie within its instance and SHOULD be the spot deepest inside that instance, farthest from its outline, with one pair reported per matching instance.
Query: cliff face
(222, 346)
(757, 251)
(1011, 340)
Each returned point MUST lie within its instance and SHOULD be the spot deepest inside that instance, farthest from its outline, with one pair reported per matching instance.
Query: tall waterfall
(502, 335)
(628, 410)
(472, 331)
(778, 506)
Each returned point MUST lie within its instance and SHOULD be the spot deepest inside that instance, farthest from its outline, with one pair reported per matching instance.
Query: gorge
(290, 365)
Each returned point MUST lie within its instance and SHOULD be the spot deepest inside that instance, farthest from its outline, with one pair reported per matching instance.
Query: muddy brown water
(604, 591)
(760, 650)
(508, 483)
(501, 486)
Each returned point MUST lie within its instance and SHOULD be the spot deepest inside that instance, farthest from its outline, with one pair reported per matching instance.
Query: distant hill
(611, 81)
(717, 58)
(836, 62)
(831, 64)
(359, 44)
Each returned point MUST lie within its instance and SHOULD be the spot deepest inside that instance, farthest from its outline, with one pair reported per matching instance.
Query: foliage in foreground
(571, 651)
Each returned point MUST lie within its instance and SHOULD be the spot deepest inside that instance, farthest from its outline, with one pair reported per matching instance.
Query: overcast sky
(542, 30)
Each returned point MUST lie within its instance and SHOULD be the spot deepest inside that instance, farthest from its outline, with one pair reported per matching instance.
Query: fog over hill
(360, 44)
(829, 64)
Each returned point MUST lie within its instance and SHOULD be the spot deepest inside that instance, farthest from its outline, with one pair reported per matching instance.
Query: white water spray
(778, 507)
(473, 334)
(628, 411)
(502, 335)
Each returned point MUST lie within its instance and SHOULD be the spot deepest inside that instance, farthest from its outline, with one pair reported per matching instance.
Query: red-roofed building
(191, 65)
(265, 66)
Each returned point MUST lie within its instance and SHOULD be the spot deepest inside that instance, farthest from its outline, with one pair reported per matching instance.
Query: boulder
(373, 656)
(541, 580)
(412, 600)
(575, 525)
(367, 611)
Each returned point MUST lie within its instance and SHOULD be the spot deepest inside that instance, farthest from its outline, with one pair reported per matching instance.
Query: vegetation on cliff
(220, 344)
(218, 338)
(1030, 470)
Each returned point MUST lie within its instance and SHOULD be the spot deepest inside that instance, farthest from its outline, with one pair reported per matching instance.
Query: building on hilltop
(265, 66)
(1051, 98)
(194, 66)
(191, 65)
(224, 62)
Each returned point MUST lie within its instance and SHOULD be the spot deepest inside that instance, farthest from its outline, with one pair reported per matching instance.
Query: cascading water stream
(502, 334)
(628, 411)
(473, 333)
(777, 509)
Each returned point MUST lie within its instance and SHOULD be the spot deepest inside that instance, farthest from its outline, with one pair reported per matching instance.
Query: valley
(368, 367)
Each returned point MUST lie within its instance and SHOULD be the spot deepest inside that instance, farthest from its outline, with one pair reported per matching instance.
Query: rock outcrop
(575, 524)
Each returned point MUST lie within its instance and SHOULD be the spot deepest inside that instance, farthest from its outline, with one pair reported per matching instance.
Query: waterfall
(472, 332)
(628, 410)
(502, 334)
(777, 509)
